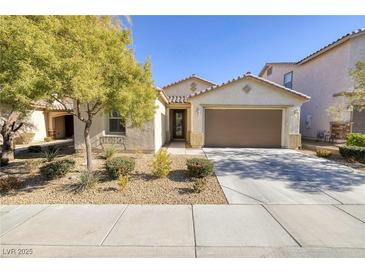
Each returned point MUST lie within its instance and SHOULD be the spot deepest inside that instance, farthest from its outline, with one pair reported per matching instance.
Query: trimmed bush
(8, 183)
(48, 139)
(356, 139)
(199, 167)
(199, 185)
(119, 166)
(57, 169)
(353, 153)
(24, 138)
(161, 164)
(324, 153)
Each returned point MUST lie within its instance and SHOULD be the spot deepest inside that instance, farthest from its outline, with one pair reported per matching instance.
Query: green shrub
(24, 138)
(87, 181)
(353, 153)
(324, 153)
(161, 164)
(50, 153)
(34, 149)
(119, 166)
(199, 185)
(109, 152)
(8, 183)
(356, 139)
(47, 139)
(123, 182)
(57, 169)
(199, 167)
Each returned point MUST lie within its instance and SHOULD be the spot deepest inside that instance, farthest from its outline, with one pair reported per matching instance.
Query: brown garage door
(359, 121)
(242, 128)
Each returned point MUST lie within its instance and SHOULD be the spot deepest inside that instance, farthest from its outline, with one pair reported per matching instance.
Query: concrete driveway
(283, 176)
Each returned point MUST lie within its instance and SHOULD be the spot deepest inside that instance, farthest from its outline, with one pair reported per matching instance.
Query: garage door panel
(243, 128)
(358, 121)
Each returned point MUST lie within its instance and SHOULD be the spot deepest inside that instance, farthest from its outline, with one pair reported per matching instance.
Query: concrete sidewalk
(182, 231)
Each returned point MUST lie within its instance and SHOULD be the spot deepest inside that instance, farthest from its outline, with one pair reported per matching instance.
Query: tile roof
(249, 76)
(330, 45)
(187, 78)
(43, 104)
(177, 99)
(340, 40)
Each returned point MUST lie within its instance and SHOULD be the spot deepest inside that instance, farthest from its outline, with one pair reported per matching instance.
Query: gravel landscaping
(143, 188)
(338, 159)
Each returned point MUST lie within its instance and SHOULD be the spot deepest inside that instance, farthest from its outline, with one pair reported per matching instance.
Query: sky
(219, 48)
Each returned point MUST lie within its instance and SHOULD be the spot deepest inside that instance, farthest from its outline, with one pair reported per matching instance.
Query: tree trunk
(7, 149)
(88, 145)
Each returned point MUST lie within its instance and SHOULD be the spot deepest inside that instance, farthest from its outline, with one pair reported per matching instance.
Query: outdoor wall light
(197, 111)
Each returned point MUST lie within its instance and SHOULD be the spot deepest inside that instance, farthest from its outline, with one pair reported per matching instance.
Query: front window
(116, 123)
(288, 80)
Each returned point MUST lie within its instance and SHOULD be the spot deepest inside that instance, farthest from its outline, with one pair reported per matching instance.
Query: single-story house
(248, 111)
(47, 120)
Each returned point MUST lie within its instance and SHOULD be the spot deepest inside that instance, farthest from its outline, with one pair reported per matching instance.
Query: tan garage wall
(260, 96)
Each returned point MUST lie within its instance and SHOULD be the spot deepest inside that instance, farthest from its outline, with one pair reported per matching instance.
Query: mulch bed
(143, 188)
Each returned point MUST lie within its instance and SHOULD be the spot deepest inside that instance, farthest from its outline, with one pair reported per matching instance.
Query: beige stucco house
(247, 111)
(47, 120)
(324, 75)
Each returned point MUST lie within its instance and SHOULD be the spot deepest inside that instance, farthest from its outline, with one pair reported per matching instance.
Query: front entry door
(179, 124)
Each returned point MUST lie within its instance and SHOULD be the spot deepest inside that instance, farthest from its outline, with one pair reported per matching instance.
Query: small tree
(25, 58)
(354, 99)
(357, 96)
(98, 71)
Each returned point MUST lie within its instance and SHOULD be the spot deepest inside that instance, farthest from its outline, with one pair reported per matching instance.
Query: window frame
(111, 117)
(292, 79)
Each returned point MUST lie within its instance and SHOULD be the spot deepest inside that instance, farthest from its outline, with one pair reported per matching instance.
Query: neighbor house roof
(56, 106)
(329, 46)
(274, 63)
(250, 76)
(322, 50)
(177, 99)
(188, 78)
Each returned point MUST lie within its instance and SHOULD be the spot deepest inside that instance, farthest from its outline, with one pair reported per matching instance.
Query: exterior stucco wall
(184, 88)
(160, 121)
(38, 121)
(135, 139)
(321, 78)
(261, 96)
(278, 71)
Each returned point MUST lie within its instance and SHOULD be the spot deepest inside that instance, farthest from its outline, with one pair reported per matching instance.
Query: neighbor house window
(269, 71)
(288, 80)
(116, 123)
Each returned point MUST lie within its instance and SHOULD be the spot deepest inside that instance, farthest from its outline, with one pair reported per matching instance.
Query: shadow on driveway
(302, 172)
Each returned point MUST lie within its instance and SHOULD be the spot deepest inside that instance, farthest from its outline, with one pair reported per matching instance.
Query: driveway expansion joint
(283, 227)
(348, 213)
(27, 219)
(112, 227)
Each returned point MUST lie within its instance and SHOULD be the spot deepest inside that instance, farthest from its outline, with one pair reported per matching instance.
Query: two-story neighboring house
(324, 75)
